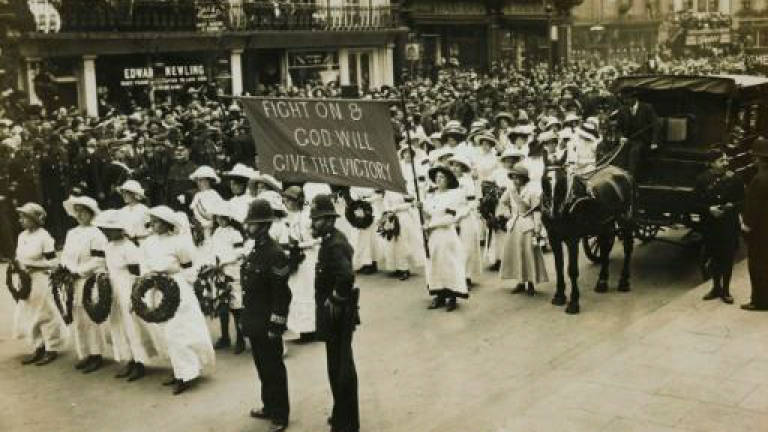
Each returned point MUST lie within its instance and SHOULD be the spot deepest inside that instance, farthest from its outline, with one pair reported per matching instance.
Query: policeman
(336, 300)
(722, 193)
(266, 296)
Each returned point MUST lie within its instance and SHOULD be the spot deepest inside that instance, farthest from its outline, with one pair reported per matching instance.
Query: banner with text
(341, 142)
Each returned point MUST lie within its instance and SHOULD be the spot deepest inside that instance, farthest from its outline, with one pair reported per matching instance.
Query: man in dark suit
(266, 298)
(639, 124)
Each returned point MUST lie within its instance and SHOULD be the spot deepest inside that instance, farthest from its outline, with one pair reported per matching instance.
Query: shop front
(620, 40)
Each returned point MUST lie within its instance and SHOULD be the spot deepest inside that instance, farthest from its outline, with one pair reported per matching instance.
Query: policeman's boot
(726, 297)
(716, 290)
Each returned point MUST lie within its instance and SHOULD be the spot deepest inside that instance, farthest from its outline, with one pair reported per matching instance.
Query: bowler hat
(259, 211)
(322, 206)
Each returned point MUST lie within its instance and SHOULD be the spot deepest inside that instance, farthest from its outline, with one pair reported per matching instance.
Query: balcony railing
(212, 16)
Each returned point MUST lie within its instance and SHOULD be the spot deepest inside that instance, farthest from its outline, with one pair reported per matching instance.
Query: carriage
(700, 116)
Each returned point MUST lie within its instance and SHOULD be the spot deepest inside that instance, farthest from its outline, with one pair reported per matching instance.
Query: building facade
(150, 51)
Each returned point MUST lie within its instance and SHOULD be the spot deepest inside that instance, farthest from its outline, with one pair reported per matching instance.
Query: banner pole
(413, 170)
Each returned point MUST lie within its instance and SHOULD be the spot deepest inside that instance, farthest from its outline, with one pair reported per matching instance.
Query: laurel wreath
(25, 282)
(354, 219)
(389, 226)
(99, 310)
(155, 312)
(62, 283)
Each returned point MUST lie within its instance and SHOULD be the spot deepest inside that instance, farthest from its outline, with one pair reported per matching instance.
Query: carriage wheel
(592, 248)
(647, 232)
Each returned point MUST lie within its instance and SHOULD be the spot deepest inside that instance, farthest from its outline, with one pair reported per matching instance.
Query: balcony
(209, 16)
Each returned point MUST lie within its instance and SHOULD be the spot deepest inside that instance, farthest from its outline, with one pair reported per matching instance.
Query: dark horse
(574, 207)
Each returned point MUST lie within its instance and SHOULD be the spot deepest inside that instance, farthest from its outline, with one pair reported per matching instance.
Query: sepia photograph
(383, 215)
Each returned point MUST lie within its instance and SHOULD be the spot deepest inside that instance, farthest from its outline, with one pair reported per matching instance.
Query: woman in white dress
(238, 183)
(446, 278)
(523, 260)
(403, 253)
(83, 255)
(135, 213)
(205, 199)
(468, 222)
(36, 320)
(132, 339)
(301, 313)
(224, 249)
(366, 242)
(169, 251)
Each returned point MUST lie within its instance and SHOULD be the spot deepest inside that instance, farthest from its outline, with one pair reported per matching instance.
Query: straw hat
(133, 187)
(462, 160)
(205, 172)
(242, 171)
(166, 214)
(33, 211)
(268, 180)
(453, 183)
(85, 201)
(110, 219)
(512, 152)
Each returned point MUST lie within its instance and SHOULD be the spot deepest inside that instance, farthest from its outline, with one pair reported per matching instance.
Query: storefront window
(313, 67)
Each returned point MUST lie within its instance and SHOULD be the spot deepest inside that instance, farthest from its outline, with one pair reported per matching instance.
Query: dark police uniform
(334, 282)
(721, 234)
(266, 297)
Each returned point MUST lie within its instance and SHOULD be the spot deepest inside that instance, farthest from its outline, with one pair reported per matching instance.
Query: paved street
(656, 359)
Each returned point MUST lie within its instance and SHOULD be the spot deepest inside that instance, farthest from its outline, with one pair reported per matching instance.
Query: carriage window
(677, 129)
(754, 112)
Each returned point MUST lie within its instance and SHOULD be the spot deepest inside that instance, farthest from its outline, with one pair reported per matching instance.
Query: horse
(573, 207)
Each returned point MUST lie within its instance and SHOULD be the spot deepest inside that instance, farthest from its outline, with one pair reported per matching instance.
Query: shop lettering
(181, 71)
(138, 73)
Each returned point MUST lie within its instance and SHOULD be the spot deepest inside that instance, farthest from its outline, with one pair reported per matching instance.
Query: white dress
(367, 243)
(37, 320)
(523, 261)
(301, 313)
(469, 224)
(186, 334)
(240, 205)
(83, 253)
(202, 204)
(445, 266)
(132, 337)
(137, 218)
(405, 252)
(226, 246)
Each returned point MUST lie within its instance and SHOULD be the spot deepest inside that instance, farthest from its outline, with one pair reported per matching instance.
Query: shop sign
(412, 52)
(308, 59)
(709, 37)
(163, 77)
(211, 17)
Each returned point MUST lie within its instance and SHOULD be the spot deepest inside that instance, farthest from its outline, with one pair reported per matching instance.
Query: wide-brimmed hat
(268, 180)
(453, 183)
(546, 136)
(518, 170)
(462, 160)
(551, 121)
(760, 147)
(33, 211)
(511, 152)
(504, 115)
(242, 171)
(571, 117)
(275, 200)
(85, 201)
(294, 192)
(456, 131)
(205, 172)
(110, 219)
(322, 206)
(166, 214)
(133, 187)
(485, 136)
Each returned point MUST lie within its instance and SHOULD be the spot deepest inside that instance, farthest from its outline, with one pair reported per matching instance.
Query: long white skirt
(186, 335)
(445, 266)
(132, 337)
(406, 252)
(36, 319)
(301, 313)
(470, 235)
(89, 338)
(368, 247)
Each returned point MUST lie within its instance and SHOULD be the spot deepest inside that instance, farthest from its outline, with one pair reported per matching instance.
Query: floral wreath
(25, 282)
(98, 311)
(156, 313)
(359, 213)
(63, 286)
(389, 226)
(213, 289)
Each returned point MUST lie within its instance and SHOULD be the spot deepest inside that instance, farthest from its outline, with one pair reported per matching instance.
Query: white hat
(461, 160)
(593, 120)
(205, 172)
(85, 201)
(268, 180)
(165, 214)
(240, 170)
(110, 219)
(274, 199)
(551, 121)
(546, 136)
(133, 187)
(512, 151)
(571, 116)
(33, 210)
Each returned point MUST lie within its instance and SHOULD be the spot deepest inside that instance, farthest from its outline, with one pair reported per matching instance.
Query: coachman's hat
(259, 211)
(322, 206)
